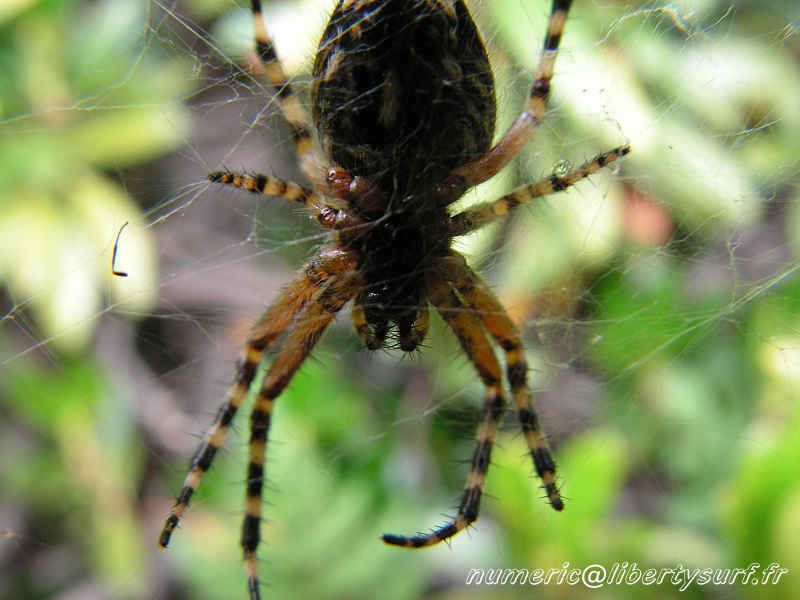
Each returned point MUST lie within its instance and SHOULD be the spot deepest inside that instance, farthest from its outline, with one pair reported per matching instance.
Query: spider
(403, 105)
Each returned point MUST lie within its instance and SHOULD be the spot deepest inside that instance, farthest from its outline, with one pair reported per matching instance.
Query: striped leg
(302, 338)
(496, 320)
(523, 129)
(482, 214)
(327, 215)
(472, 337)
(278, 317)
(292, 111)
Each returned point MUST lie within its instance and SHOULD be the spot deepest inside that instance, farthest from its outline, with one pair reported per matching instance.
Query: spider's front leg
(306, 332)
(495, 319)
(475, 343)
(331, 262)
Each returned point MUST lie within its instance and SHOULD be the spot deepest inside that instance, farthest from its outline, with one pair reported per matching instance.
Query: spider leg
(495, 319)
(327, 215)
(482, 214)
(523, 129)
(276, 319)
(302, 338)
(292, 111)
(472, 337)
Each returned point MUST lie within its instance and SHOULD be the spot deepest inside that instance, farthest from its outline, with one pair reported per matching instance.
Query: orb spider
(403, 105)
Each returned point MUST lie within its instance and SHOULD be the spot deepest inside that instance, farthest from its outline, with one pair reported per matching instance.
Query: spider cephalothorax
(397, 252)
(403, 103)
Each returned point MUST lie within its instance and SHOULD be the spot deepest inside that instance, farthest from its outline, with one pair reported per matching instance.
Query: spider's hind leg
(526, 124)
(292, 111)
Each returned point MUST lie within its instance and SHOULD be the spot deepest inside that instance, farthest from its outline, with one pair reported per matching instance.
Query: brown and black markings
(403, 106)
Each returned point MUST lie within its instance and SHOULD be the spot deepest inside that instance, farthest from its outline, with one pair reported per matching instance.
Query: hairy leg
(315, 276)
(480, 215)
(306, 332)
(494, 317)
(292, 111)
(475, 343)
(326, 214)
(523, 129)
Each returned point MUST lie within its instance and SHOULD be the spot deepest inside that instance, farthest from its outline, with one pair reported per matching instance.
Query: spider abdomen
(403, 91)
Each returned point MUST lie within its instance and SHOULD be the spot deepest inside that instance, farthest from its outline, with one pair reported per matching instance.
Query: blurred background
(660, 301)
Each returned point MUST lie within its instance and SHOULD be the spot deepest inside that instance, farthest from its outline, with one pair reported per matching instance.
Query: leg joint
(518, 373)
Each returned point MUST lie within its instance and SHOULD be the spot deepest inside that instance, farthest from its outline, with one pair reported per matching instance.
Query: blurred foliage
(670, 283)
(95, 444)
(85, 93)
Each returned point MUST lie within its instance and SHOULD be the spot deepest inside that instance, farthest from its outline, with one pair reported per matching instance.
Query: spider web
(659, 301)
